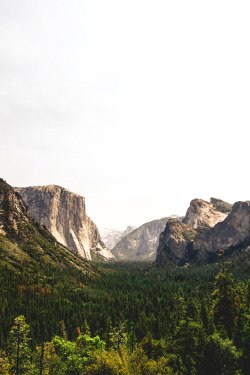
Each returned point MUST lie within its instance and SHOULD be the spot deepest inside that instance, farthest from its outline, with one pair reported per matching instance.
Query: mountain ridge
(141, 244)
(111, 237)
(181, 243)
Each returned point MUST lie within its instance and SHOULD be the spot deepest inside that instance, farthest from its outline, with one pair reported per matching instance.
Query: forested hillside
(60, 314)
(148, 321)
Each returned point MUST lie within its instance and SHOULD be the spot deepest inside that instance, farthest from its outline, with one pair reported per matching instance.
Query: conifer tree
(224, 301)
(220, 356)
(18, 346)
(179, 308)
(109, 333)
(61, 330)
(131, 341)
(120, 335)
(85, 329)
(142, 326)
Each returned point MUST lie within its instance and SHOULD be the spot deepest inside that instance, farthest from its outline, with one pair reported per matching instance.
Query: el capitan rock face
(63, 214)
(23, 241)
(203, 233)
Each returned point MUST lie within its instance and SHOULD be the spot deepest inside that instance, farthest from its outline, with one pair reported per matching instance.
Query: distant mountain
(25, 243)
(141, 244)
(112, 236)
(63, 214)
(207, 228)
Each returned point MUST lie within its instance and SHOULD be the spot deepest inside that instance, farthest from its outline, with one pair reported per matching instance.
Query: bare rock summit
(112, 236)
(207, 228)
(203, 213)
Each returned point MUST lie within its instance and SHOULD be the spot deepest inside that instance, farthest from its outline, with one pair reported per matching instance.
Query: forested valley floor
(127, 319)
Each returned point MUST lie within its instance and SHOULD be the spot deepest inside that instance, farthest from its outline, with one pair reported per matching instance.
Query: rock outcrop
(12, 209)
(173, 243)
(203, 213)
(63, 214)
(141, 244)
(199, 235)
(230, 232)
(112, 236)
(25, 243)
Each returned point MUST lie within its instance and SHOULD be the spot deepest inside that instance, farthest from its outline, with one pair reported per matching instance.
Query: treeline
(133, 319)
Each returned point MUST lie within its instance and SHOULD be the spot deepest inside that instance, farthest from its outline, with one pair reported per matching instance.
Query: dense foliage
(131, 319)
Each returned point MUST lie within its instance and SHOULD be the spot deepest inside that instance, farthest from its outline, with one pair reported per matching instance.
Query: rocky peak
(182, 243)
(173, 243)
(63, 214)
(230, 232)
(112, 236)
(129, 229)
(202, 213)
(141, 243)
(12, 209)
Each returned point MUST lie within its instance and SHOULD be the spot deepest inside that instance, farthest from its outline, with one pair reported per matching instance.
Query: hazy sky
(140, 106)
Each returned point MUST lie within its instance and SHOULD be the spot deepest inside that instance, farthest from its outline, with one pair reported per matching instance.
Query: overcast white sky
(140, 106)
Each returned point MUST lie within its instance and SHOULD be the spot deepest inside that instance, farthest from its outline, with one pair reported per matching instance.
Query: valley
(181, 314)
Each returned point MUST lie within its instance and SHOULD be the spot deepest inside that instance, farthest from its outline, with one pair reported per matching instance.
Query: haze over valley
(138, 107)
(124, 187)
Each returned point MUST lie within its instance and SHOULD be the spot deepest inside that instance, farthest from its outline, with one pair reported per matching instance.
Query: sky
(139, 106)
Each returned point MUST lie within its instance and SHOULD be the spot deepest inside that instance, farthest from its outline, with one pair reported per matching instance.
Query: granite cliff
(141, 244)
(63, 214)
(174, 243)
(25, 244)
(226, 234)
(203, 232)
(112, 236)
(203, 213)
